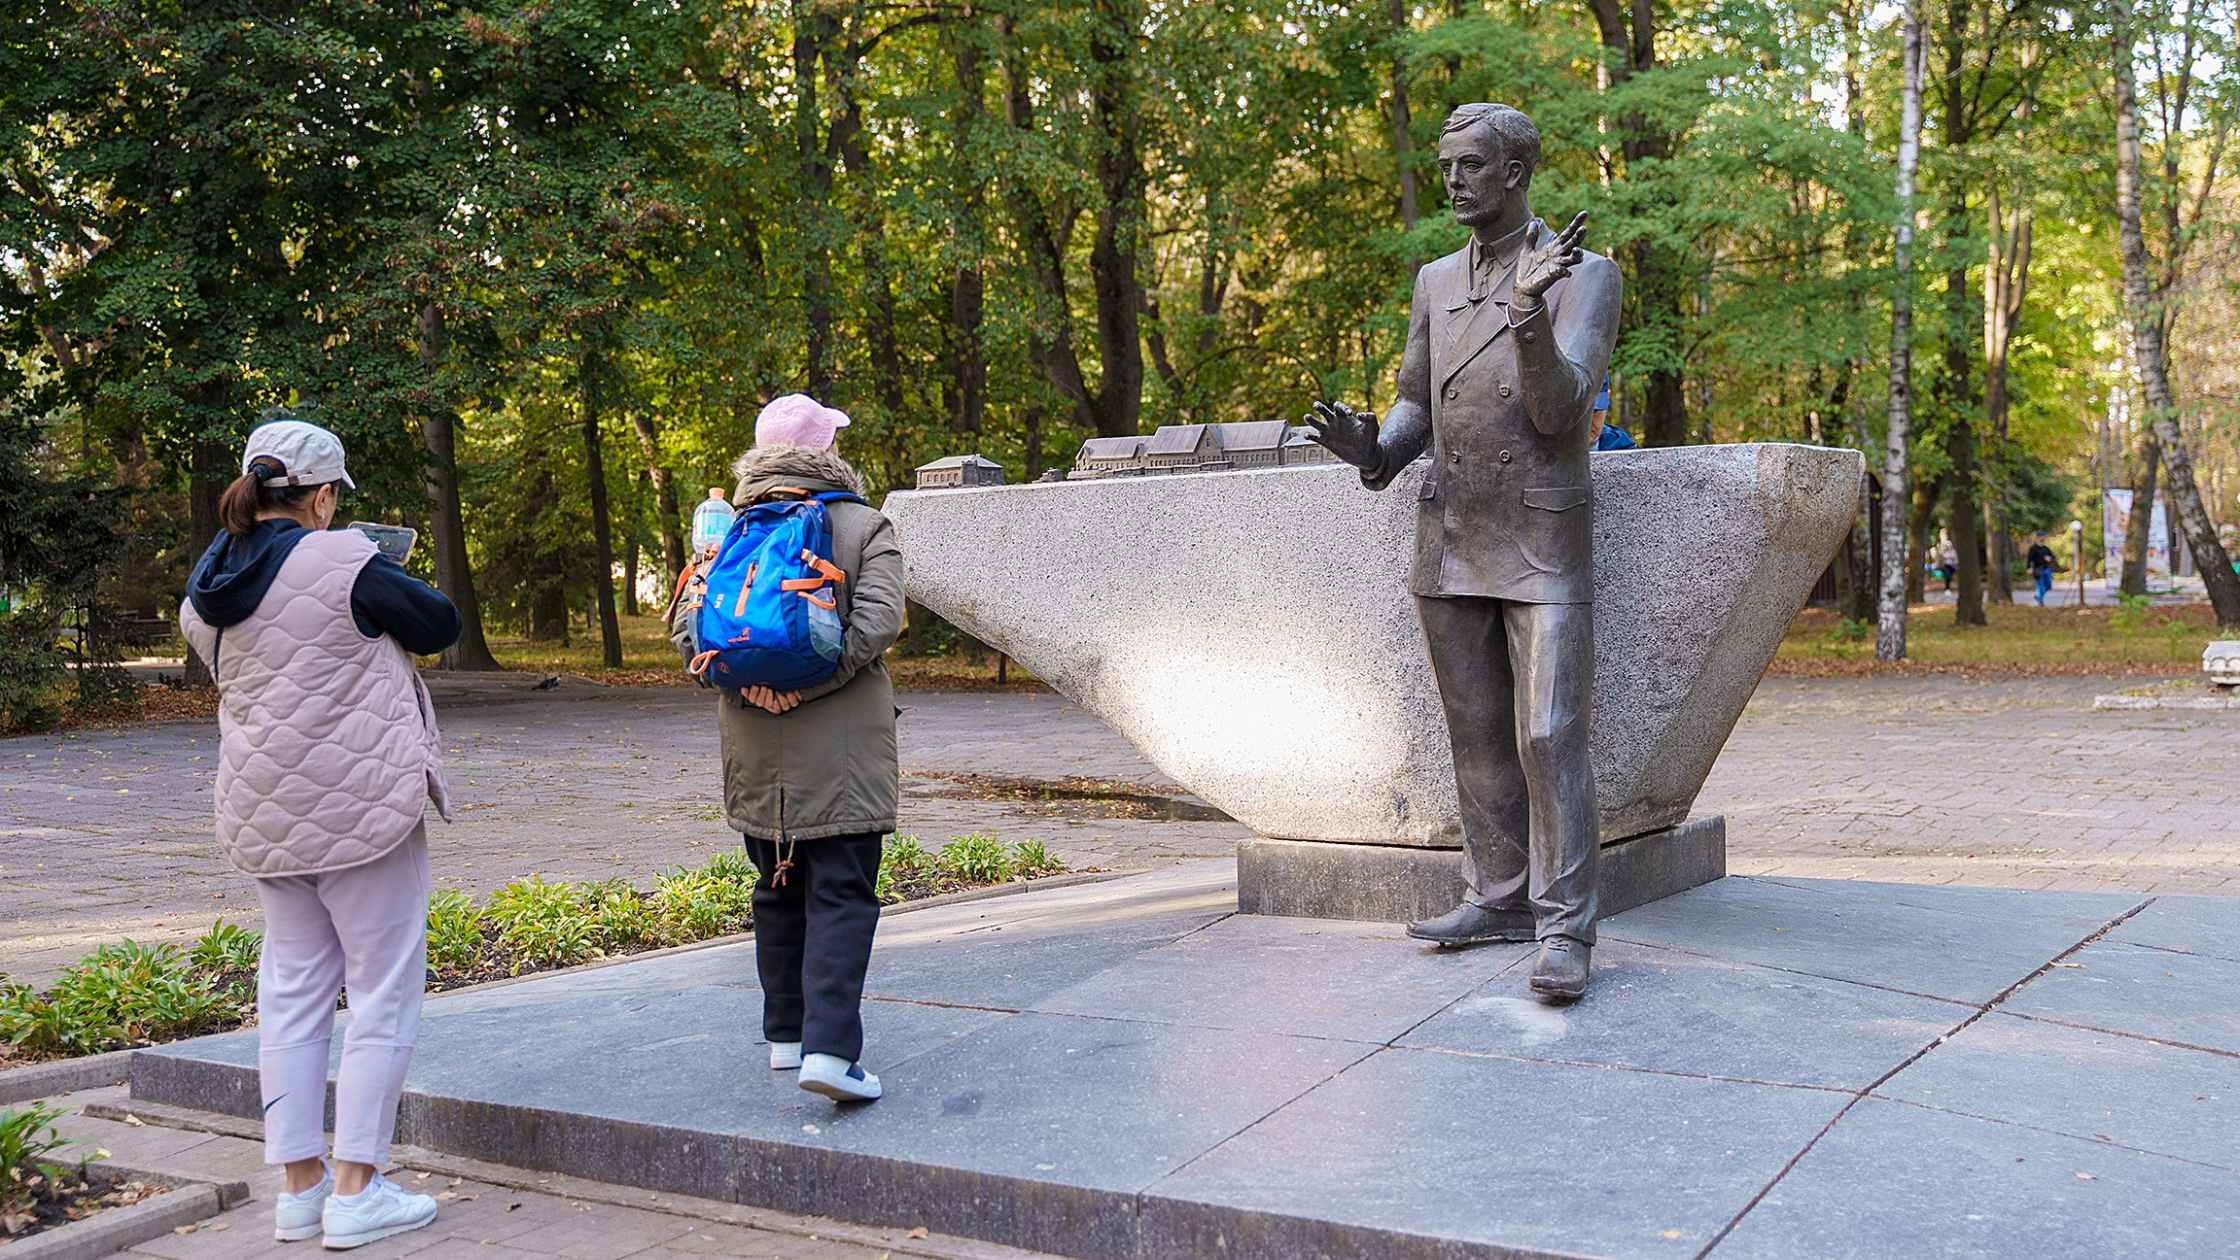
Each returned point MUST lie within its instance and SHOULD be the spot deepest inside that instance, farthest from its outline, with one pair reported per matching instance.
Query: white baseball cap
(311, 455)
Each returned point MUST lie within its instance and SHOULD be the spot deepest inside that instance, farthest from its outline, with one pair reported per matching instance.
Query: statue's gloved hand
(1348, 434)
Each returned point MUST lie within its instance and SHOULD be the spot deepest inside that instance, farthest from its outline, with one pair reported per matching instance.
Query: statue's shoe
(1561, 973)
(1473, 924)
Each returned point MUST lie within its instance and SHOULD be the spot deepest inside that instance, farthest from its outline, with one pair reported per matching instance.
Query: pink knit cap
(798, 420)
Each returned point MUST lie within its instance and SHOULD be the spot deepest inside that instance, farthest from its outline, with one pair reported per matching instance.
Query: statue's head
(1486, 156)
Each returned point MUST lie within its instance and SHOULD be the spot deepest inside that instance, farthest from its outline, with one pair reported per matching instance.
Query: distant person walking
(810, 778)
(2042, 566)
(1948, 562)
(329, 757)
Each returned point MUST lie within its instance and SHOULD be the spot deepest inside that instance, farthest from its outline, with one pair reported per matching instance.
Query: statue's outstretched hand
(1348, 434)
(1551, 262)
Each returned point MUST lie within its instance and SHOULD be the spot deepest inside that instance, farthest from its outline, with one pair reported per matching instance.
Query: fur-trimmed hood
(765, 468)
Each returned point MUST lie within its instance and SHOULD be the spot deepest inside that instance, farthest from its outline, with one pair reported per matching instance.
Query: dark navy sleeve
(388, 600)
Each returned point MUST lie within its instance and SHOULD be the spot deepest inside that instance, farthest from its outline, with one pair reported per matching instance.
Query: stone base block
(1396, 884)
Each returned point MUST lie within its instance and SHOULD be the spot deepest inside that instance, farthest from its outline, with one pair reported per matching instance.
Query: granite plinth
(1131, 1069)
(1400, 884)
(1252, 632)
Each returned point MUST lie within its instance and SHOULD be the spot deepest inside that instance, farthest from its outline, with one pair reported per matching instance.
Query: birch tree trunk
(1890, 632)
(2147, 325)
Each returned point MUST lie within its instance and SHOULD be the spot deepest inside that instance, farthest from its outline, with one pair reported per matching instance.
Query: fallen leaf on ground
(135, 1121)
(919, 1232)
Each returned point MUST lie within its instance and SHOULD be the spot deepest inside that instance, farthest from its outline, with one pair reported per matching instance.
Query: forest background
(540, 263)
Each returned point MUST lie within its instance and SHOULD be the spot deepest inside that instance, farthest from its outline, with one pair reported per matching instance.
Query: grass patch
(2135, 638)
(129, 994)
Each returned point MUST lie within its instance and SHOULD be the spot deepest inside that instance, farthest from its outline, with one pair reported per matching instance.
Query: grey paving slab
(1009, 952)
(2190, 925)
(1310, 977)
(1490, 1153)
(2138, 1093)
(2188, 998)
(1676, 1012)
(1908, 1183)
(1963, 944)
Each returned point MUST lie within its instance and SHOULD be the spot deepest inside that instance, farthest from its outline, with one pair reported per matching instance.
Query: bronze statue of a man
(1508, 340)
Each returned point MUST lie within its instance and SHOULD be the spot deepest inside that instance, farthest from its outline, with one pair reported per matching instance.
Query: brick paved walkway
(1919, 779)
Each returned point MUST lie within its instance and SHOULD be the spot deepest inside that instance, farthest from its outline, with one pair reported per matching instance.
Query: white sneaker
(838, 1079)
(377, 1212)
(295, 1217)
(785, 1056)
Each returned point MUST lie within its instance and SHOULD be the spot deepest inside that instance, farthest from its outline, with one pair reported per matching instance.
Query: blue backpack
(771, 616)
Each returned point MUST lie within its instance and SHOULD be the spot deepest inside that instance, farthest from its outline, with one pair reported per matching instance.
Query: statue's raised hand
(1348, 434)
(1551, 262)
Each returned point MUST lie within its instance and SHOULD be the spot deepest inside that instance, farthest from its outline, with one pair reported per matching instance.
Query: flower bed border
(112, 1067)
(188, 1200)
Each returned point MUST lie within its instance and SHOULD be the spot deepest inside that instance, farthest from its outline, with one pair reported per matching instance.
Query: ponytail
(249, 495)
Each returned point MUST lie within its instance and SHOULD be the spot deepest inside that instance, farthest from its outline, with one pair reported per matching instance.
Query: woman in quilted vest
(329, 760)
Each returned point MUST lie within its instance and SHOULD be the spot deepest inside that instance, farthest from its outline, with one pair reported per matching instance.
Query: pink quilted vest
(329, 753)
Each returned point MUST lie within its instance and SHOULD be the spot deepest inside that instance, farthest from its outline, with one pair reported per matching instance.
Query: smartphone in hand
(395, 541)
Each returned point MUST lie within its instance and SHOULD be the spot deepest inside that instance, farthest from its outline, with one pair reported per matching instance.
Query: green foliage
(2130, 615)
(1030, 859)
(716, 900)
(226, 947)
(543, 924)
(120, 995)
(977, 859)
(454, 932)
(29, 1143)
(622, 918)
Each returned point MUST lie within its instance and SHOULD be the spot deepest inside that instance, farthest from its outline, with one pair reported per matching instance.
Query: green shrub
(977, 859)
(622, 918)
(28, 1144)
(905, 857)
(2131, 613)
(543, 924)
(710, 902)
(120, 995)
(226, 948)
(1030, 859)
(454, 932)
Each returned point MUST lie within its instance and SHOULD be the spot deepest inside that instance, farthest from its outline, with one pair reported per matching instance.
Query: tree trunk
(664, 491)
(1403, 143)
(2137, 531)
(1961, 330)
(2006, 285)
(209, 467)
(630, 547)
(1120, 219)
(602, 528)
(439, 431)
(813, 28)
(1890, 630)
(968, 355)
(2147, 324)
(1655, 282)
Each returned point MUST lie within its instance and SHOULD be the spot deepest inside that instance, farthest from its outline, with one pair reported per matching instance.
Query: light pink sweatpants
(365, 928)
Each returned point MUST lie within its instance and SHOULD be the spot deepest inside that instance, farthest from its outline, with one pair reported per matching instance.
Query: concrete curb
(187, 1201)
(65, 1076)
(2225, 703)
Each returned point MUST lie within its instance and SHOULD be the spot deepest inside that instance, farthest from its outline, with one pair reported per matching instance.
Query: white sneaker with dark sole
(295, 1217)
(838, 1079)
(785, 1056)
(379, 1211)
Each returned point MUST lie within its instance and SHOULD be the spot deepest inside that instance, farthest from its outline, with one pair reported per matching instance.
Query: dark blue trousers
(813, 924)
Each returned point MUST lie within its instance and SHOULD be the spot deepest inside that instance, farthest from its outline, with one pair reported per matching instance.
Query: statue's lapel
(1476, 323)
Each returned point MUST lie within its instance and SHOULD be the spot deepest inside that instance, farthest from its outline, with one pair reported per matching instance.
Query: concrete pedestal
(1398, 884)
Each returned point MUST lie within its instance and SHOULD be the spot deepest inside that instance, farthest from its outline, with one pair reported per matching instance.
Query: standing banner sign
(2115, 521)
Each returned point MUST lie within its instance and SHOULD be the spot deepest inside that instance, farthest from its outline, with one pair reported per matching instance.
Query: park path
(1924, 778)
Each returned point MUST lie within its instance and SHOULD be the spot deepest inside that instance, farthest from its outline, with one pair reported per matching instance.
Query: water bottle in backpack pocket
(771, 615)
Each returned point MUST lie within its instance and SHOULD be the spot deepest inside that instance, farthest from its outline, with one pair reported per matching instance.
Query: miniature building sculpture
(958, 471)
(1108, 457)
(1253, 444)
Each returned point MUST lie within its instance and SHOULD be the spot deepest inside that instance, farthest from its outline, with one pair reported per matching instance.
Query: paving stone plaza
(1973, 988)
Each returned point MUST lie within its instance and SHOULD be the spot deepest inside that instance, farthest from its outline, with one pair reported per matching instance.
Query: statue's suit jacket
(1501, 400)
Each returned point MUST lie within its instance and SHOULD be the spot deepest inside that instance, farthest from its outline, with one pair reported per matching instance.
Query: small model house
(959, 471)
(1183, 448)
(1253, 444)
(1109, 457)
